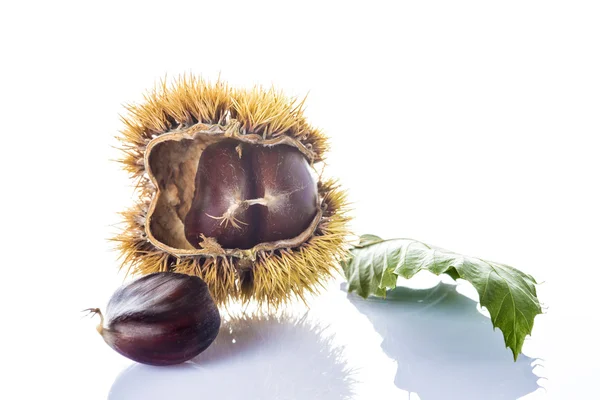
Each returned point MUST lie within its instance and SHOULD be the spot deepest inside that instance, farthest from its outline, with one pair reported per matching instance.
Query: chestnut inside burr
(240, 191)
(247, 194)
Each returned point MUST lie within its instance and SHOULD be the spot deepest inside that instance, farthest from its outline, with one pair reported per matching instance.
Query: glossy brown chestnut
(160, 319)
(248, 194)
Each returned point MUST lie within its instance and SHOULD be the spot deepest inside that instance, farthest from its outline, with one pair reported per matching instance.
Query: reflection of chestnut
(160, 319)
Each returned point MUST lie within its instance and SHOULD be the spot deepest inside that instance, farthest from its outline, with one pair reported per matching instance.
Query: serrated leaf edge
(516, 349)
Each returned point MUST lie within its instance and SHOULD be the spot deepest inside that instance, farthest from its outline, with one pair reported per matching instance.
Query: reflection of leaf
(443, 347)
(509, 294)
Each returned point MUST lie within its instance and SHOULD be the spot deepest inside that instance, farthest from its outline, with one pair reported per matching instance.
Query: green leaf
(374, 266)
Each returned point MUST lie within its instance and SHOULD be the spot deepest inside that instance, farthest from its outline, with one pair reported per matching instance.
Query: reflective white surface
(441, 346)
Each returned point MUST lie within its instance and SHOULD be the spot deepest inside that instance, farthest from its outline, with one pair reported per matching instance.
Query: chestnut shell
(162, 318)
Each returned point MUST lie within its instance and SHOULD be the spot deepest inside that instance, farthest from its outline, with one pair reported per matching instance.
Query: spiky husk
(191, 100)
(276, 276)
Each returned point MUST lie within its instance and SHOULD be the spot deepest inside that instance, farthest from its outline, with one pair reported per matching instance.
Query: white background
(467, 124)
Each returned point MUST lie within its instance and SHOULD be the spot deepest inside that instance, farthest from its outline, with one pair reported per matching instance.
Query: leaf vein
(529, 327)
(512, 297)
(499, 309)
(486, 285)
